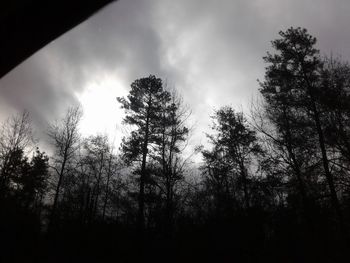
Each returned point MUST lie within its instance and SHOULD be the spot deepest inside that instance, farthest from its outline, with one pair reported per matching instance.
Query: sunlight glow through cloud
(102, 113)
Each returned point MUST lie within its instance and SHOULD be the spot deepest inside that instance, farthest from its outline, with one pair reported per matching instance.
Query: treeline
(273, 184)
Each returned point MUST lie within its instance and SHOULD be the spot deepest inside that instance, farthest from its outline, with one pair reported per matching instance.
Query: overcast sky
(211, 51)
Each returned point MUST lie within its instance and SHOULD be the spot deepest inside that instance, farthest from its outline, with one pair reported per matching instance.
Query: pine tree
(294, 70)
(143, 107)
(234, 145)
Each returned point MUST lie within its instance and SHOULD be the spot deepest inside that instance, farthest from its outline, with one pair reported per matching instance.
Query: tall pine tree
(143, 107)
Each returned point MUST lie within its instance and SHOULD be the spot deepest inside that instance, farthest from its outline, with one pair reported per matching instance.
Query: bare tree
(97, 151)
(112, 170)
(65, 138)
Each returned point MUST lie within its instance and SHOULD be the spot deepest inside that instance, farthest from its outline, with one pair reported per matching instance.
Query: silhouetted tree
(143, 108)
(65, 139)
(283, 124)
(227, 165)
(295, 68)
(112, 179)
(34, 183)
(169, 161)
(334, 103)
(97, 154)
(15, 137)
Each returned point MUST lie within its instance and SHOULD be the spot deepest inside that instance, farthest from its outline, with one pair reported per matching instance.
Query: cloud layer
(211, 51)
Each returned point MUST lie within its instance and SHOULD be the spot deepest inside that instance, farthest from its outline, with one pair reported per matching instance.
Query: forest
(273, 184)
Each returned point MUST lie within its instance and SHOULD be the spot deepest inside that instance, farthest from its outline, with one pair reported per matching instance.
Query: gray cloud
(210, 50)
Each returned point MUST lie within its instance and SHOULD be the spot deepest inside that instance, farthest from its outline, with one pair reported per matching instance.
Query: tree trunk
(98, 186)
(141, 213)
(58, 187)
(296, 166)
(107, 188)
(245, 185)
(328, 174)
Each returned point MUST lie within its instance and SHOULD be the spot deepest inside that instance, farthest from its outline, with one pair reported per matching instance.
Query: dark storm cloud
(210, 50)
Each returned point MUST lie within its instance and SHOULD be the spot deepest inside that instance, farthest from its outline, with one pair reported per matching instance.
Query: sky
(210, 51)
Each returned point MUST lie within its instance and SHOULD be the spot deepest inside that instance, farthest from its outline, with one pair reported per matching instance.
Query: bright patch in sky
(102, 113)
